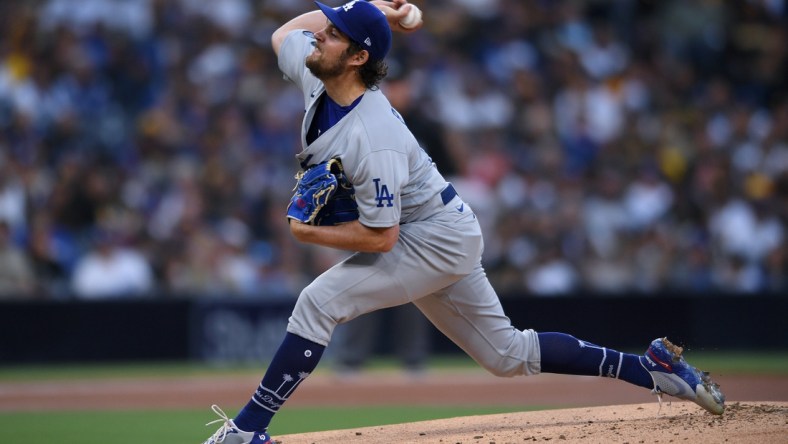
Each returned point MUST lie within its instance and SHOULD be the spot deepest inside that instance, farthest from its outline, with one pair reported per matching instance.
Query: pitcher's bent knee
(310, 321)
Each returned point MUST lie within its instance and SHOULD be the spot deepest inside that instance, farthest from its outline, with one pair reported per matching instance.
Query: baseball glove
(323, 195)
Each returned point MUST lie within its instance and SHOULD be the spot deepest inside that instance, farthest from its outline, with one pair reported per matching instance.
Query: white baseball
(413, 19)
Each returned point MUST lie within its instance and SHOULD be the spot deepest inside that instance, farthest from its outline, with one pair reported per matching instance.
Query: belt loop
(448, 194)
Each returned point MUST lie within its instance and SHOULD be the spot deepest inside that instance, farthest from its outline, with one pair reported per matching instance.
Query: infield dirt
(762, 423)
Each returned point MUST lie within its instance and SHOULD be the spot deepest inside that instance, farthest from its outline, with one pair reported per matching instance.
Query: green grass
(727, 363)
(187, 426)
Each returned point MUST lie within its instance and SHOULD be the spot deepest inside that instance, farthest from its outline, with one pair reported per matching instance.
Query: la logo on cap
(349, 5)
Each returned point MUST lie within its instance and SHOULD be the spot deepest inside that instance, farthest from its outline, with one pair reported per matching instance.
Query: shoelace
(222, 432)
(657, 391)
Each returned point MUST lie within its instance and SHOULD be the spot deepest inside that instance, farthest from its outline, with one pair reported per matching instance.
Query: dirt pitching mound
(675, 422)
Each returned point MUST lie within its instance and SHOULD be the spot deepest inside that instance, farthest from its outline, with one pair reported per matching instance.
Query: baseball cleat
(228, 433)
(672, 375)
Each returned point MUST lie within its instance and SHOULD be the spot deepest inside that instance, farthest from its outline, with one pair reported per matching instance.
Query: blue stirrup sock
(565, 354)
(293, 362)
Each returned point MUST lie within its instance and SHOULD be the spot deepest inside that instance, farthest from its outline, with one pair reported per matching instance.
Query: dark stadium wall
(216, 330)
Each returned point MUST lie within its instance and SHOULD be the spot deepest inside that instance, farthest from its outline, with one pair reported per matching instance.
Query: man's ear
(359, 58)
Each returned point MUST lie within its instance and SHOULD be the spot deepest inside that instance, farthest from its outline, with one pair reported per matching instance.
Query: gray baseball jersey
(435, 264)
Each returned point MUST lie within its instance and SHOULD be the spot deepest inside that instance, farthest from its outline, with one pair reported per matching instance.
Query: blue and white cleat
(674, 376)
(228, 433)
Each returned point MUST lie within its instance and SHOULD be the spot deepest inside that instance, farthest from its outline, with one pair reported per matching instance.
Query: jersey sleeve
(292, 53)
(378, 188)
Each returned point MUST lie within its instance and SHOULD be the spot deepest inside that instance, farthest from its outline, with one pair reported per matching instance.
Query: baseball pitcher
(365, 185)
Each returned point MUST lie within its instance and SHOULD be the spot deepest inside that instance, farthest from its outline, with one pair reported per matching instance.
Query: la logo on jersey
(382, 194)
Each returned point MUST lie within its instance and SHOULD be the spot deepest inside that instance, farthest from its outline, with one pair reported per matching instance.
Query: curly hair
(371, 72)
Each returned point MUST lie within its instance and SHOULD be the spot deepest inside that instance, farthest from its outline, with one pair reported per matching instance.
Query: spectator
(747, 230)
(13, 200)
(111, 271)
(236, 269)
(552, 275)
(52, 256)
(647, 199)
(16, 273)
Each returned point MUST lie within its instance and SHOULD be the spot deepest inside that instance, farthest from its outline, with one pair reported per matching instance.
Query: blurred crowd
(635, 147)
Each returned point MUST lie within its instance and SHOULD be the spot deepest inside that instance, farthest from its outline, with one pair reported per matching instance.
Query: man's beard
(325, 70)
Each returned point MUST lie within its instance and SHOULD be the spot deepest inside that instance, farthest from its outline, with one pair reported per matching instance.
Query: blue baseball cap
(363, 23)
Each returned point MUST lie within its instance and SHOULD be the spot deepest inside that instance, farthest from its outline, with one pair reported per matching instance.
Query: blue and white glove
(323, 195)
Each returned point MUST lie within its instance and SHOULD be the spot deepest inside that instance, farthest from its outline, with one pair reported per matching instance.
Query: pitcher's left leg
(470, 314)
